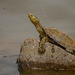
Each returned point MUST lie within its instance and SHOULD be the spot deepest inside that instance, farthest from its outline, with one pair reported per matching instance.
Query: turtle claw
(41, 50)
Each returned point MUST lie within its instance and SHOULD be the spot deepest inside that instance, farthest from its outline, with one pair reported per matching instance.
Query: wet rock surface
(54, 58)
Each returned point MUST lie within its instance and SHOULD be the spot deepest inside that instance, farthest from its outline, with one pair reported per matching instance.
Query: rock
(54, 57)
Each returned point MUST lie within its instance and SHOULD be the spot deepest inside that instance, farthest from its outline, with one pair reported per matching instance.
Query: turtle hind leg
(70, 49)
(41, 49)
(73, 51)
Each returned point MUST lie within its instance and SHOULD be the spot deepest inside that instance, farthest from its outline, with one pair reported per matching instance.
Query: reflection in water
(50, 72)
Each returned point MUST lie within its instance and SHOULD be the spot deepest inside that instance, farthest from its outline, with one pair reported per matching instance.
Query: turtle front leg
(42, 43)
(40, 37)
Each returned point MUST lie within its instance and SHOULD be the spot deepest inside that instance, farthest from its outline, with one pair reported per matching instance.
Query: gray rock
(54, 57)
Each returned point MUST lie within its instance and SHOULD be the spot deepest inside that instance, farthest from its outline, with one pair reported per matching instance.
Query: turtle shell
(60, 37)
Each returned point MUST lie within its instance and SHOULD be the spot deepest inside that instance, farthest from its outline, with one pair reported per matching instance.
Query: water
(15, 27)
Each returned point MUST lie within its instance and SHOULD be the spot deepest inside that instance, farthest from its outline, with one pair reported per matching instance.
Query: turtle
(52, 35)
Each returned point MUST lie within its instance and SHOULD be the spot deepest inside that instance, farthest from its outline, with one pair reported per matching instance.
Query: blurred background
(15, 25)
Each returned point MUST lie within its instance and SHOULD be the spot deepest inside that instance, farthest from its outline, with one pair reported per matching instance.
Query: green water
(15, 27)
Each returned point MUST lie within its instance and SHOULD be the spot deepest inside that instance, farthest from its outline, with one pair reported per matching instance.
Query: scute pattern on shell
(60, 37)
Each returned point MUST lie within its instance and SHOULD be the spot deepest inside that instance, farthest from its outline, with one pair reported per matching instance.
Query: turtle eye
(31, 15)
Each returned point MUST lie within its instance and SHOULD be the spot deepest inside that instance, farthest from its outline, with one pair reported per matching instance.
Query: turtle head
(33, 19)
